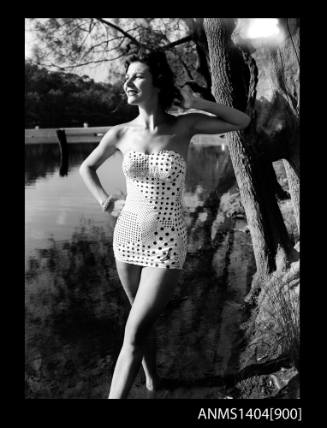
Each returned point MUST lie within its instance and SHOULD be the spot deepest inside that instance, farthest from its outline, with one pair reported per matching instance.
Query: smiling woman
(153, 69)
(138, 84)
(150, 240)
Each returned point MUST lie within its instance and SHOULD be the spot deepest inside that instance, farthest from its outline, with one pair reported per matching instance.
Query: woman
(150, 239)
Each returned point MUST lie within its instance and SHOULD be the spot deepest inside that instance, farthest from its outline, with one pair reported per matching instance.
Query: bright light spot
(262, 28)
(29, 40)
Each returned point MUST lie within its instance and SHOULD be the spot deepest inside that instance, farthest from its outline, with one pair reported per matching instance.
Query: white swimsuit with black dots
(151, 230)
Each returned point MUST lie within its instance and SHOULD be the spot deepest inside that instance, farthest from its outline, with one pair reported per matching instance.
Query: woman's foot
(156, 394)
(156, 389)
(152, 385)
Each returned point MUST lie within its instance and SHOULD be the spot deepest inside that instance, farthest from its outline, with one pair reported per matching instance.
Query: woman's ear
(157, 89)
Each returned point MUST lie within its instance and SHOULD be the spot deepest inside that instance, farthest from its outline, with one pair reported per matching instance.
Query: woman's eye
(137, 77)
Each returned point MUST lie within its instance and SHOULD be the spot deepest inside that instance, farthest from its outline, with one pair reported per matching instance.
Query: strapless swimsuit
(151, 230)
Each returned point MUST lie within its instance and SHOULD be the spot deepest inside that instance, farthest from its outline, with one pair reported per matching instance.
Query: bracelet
(105, 203)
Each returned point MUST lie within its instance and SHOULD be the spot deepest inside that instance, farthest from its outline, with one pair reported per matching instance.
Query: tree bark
(290, 54)
(294, 189)
(283, 71)
(271, 243)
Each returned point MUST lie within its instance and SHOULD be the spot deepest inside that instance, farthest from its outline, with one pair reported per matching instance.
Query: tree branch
(110, 24)
(104, 42)
(64, 67)
(78, 27)
(178, 42)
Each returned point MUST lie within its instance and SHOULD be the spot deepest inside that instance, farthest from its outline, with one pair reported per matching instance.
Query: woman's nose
(129, 85)
(129, 82)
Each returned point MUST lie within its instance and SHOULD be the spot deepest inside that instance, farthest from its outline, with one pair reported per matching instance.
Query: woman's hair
(162, 75)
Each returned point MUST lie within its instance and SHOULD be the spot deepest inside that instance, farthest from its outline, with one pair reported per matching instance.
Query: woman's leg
(130, 276)
(155, 289)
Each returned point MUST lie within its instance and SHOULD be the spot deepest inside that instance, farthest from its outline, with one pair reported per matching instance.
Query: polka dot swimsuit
(151, 230)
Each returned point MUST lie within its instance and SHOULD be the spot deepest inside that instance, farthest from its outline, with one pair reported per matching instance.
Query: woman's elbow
(83, 167)
(245, 123)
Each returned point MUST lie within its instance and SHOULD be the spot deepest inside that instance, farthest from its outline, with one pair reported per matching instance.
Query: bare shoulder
(115, 134)
(106, 148)
(122, 128)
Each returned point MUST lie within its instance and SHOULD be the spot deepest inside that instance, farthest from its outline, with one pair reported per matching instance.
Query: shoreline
(93, 134)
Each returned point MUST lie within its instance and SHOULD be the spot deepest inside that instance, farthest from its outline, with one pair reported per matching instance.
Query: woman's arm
(103, 151)
(227, 118)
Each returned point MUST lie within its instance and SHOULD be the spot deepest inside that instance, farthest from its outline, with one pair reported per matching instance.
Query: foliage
(255, 387)
(286, 314)
(75, 311)
(73, 43)
(55, 99)
(278, 324)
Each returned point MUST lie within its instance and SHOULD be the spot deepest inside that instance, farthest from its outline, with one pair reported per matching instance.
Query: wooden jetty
(74, 135)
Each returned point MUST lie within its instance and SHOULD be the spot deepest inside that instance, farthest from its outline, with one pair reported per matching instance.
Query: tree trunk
(271, 243)
(277, 102)
(286, 65)
(294, 189)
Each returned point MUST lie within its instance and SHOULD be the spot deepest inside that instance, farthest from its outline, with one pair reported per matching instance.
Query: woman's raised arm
(225, 118)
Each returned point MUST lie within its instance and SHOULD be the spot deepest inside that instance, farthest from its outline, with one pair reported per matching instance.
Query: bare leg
(130, 276)
(155, 289)
(149, 362)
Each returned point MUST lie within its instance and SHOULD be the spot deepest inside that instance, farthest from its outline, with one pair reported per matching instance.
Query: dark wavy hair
(162, 75)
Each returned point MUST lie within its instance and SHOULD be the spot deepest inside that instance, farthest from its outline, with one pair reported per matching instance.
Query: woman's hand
(117, 207)
(188, 96)
(114, 206)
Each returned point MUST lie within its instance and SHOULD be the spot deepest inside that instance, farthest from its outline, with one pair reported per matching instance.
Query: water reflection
(76, 309)
(74, 314)
(44, 159)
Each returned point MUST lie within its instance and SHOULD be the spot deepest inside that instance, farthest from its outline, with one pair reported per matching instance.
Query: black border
(185, 412)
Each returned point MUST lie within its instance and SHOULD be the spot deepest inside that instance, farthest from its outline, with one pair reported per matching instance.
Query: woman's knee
(136, 335)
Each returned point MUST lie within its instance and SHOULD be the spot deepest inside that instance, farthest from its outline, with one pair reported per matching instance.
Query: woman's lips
(131, 92)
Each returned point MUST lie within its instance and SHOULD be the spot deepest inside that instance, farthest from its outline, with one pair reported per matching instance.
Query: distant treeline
(57, 99)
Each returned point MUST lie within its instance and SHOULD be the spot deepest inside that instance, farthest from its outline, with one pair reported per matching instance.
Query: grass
(282, 323)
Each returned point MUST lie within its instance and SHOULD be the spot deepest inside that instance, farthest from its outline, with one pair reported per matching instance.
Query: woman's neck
(151, 117)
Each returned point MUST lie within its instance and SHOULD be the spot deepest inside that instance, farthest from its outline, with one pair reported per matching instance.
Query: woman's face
(138, 84)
